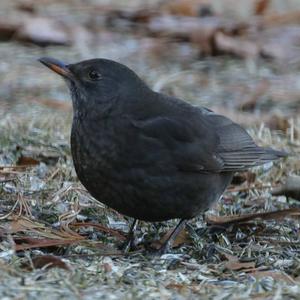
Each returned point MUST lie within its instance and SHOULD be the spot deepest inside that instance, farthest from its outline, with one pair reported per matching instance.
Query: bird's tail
(269, 154)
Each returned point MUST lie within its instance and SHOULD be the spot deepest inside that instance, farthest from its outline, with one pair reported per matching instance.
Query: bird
(145, 154)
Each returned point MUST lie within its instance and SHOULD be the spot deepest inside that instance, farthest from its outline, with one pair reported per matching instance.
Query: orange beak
(56, 66)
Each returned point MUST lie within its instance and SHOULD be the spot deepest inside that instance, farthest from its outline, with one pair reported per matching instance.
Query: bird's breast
(94, 151)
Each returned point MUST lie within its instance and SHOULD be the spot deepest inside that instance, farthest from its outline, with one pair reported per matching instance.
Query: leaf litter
(57, 241)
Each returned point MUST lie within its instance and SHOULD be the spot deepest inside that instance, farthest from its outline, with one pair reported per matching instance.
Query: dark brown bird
(148, 155)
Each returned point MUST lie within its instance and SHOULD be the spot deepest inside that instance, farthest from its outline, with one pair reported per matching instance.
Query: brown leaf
(43, 32)
(289, 17)
(192, 8)
(261, 6)
(26, 243)
(277, 275)
(199, 31)
(18, 224)
(22, 224)
(7, 29)
(26, 6)
(46, 262)
(280, 43)
(236, 265)
(291, 188)
(234, 219)
(278, 122)
(241, 177)
(182, 238)
(27, 161)
(245, 48)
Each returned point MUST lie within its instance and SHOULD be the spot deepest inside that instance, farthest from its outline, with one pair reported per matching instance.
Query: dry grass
(257, 259)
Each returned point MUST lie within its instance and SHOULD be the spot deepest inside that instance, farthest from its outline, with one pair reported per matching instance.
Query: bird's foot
(129, 244)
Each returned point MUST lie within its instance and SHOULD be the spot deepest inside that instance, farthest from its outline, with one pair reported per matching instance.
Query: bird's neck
(86, 108)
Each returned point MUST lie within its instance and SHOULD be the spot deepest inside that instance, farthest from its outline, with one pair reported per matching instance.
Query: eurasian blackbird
(148, 155)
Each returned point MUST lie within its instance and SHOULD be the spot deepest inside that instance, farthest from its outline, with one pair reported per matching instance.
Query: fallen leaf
(192, 8)
(261, 6)
(18, 224)
(240, 47)
(275, 19)
(236, 265)
(43, 32)
(7, 30)
(27, 161)
(26, 243)
(46, 262)
(26, 6)
(234, 219)
(21, 224)
(277, 275)
(199, 31)
(279, 122)
(242, 177)
(182, 238)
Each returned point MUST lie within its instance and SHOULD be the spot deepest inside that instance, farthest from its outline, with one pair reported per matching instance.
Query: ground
(57, 242)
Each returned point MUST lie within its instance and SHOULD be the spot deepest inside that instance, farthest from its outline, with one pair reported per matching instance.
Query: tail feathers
(248, 158)
(271, 154)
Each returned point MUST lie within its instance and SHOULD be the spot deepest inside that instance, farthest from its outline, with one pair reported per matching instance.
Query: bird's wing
(186, 145)
(236, 148)
(206, 143)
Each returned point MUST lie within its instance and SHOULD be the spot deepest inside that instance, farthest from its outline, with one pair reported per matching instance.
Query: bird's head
(97, 81)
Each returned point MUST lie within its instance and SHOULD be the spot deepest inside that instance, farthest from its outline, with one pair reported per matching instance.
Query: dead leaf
(240, 47)
(192, 8)
(21, 224)
(199, 31)
(291, 188)
(280, 43)
(261, 6)
(275, 19)
(26, 243)
(237, 266)
(46, 262)
(182, 238)
(243, 177)
(26, 6)
(234, 263)
(18, 224)
(7, 30)
(43, 32)
(277, 275)
(27, 161)
(234, 219)
(278, 122)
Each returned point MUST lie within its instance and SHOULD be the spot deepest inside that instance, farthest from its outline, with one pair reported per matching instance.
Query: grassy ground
(258, 258)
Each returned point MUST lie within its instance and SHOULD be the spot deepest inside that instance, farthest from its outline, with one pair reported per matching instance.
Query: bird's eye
(94, 75)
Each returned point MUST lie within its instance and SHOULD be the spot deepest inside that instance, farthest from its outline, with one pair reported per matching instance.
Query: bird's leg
(166, 245)
(129, 243)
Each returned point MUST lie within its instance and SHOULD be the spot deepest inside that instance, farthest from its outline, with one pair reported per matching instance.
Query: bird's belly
(155, 197)
(144, 191)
